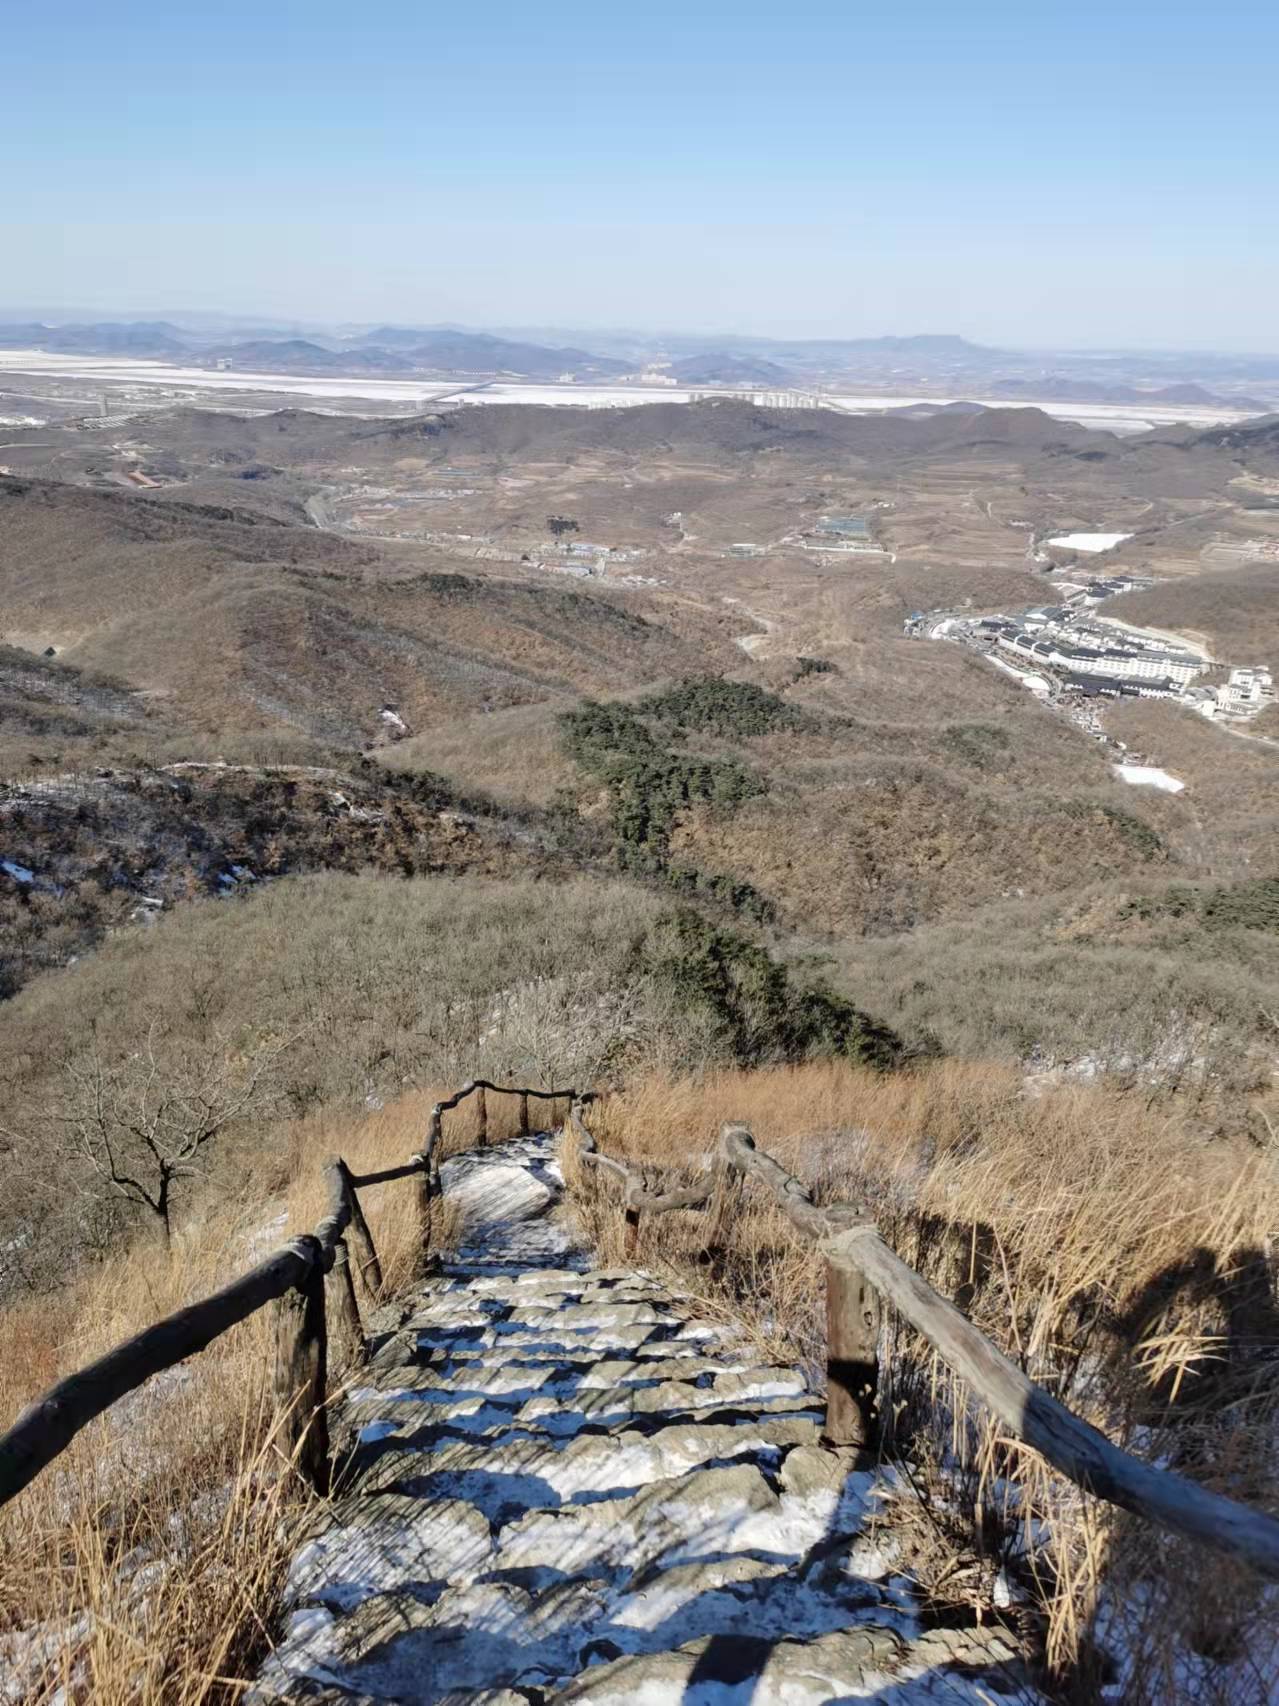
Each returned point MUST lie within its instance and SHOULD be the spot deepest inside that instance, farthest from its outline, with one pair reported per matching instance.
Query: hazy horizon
(210, 318)
(1083, 181)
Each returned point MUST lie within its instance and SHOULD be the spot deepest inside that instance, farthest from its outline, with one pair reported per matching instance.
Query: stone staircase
(566, 1487)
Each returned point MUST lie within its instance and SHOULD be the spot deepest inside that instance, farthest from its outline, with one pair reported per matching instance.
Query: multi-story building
(1117, 663)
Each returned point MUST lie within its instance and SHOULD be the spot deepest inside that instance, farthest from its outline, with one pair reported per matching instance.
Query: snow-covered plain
(119, 370)
(105, 369)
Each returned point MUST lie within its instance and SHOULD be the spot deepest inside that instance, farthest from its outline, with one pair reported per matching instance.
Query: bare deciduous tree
(147, 1123)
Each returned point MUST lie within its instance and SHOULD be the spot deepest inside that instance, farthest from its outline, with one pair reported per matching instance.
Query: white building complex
(1067, 647)
(1244, 694)
(1085, 653)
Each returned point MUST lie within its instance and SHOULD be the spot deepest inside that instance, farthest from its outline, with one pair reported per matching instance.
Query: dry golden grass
(514, 755)
(1124, 1263)
(144, 1565)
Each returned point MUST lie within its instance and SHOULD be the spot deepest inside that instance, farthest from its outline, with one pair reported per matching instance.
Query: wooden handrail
(738, 1149)
(479, 1087)
(47, 1426)
(293, 1279)
(361, 1181)
(475, 1084)
(637, 1199)
(1074, 1447)
(861, 1270)
(637, 1196)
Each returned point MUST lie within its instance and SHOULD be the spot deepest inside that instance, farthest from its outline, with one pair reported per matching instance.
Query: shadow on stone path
(565, 1487)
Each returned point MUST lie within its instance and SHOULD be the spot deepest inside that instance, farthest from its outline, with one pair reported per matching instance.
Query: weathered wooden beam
(341, 1207)
(342, 1309)
(425, 1197)
(852, 1359)
(1074, 1447)
(635, 1192)
(477, 1084)
(301, 1378)
(388, 1175)
(578, 1126)
(47, 1426)
(737, 1148)
(481, 1115)
(593, 1158)
(524, 1126)
(662, 1202)
(366, 1253)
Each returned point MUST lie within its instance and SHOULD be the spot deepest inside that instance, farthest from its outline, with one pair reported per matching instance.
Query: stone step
(567, 1487)
(557, 1590)
(579, 1468)
(571, 1393)
(869, 1661)
(553, 1377)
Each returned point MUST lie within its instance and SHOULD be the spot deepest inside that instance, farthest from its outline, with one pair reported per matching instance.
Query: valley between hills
(343, 760)
(308, 643)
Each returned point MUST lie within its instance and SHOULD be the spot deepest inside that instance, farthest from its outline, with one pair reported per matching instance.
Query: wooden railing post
(366, 1253)
(523, 1113)
(434, 1144)
(302, 1373)
(348, 1329)
(852, 1360)
(577, 1124)
(726, 1196)
(482, 1116)
(425, 1194)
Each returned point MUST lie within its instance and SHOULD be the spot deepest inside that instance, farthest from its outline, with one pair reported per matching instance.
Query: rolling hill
(247, 623)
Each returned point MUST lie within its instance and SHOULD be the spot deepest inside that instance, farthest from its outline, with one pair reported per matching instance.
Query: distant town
(1065, 651)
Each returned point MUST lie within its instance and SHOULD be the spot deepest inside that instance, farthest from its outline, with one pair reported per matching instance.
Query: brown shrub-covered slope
(1235, 610)
(96, 852)
(249, 624)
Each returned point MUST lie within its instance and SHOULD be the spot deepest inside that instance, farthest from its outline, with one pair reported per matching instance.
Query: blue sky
(1053, 173)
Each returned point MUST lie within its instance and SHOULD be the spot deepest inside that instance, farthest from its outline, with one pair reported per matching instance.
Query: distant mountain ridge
(724, 367)
(482, 352)
(139, 337)
(944, 363)
(1056, 388)
(389, 349)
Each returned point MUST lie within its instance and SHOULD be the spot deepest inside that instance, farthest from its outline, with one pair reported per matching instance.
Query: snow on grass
(1088, 541)
(1148, 776)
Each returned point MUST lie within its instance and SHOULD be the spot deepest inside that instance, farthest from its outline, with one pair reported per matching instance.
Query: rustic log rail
(304, 1280)
(862, 1272)
(637, 1197)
